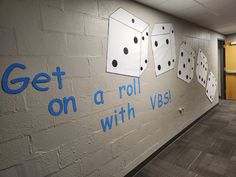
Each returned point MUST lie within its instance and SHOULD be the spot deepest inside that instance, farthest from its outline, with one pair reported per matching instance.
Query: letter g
(24, 80)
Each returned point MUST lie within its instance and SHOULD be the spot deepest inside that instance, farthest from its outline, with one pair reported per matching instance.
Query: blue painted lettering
(98, 97)
(130, 89)
(153, 101)
(23, 80)
(66, 102)
(161, 99)
(51, 109)
(36, 81)
(160, 102)
(58, 74)
(107, 122)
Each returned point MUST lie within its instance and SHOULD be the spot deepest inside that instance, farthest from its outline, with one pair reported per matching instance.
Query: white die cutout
(186, 62)
(127, 44)
(163, 47)
(211, 87)
(202, 68)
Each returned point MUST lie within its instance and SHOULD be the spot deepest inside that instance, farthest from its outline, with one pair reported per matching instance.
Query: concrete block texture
(14, 152)
(43, 164)
(62, 21)
(54, 137)
(89, 7)
(84, 45)
(70, 36)
(72, 170)
(8, 42)
(45, 44)
(9, 172)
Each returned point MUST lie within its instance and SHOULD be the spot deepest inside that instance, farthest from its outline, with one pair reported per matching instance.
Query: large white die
(202, 68)
(127, 44)
(163, 46)
(186, 62)
(211, 87)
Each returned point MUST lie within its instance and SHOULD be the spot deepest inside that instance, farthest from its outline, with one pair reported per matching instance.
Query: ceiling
(218, 15)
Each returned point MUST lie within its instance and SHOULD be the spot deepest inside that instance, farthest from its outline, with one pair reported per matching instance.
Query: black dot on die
(201, 63)
(202, 79)
(186, 76)
(189, 60)
(146, 33)
(167, 41)
(135, 40)
(192, 68)
(207, 91)
(179, 72)
(143, 38)
(204, 82)
(126, 51)
(114, 63)
(156, 43)
(159, 67)
(183, 65)
(146, 61)
(173, 60)
(169, 63)
(163, 27)
(182, 54)
(133, 20)
(199, 77)
(172, 31)
(141, 68)
(190, 78)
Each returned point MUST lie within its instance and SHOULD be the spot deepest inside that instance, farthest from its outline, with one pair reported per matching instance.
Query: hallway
(117, 88)
(208, 149)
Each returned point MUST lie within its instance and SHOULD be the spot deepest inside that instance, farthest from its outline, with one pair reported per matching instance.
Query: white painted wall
(73, 35)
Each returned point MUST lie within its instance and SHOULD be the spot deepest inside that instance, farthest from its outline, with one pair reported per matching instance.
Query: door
(230, 68)
(221, 68)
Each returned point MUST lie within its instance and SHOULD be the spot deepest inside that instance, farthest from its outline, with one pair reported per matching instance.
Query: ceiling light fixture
(233, 43)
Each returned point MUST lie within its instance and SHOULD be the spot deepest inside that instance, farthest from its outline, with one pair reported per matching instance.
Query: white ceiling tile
(151, 3)
(204, 18)
(218, 15)
(217, 4)
(192, 11)
(171, 6)
(230, 29)
(227, 11)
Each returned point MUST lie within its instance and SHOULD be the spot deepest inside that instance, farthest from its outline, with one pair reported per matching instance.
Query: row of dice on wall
(128, 51)
(185, 70)
(128, 45)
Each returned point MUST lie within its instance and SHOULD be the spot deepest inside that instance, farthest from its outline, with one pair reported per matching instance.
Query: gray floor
(208, 149)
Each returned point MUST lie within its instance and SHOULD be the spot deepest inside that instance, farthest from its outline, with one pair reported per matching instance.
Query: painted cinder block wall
(73, 35)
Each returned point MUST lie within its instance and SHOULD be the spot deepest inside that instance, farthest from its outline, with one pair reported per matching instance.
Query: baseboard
(142, 164)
